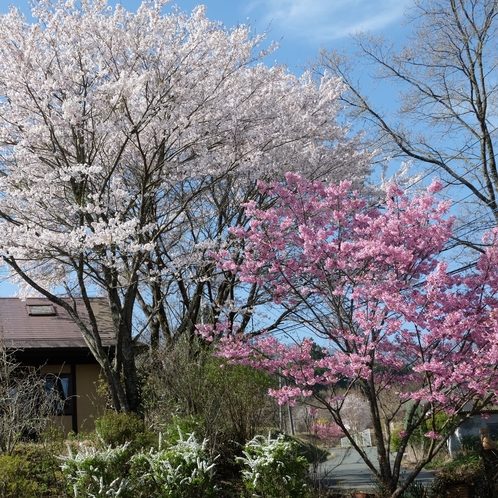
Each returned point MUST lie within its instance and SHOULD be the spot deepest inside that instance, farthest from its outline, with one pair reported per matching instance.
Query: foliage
(415, 490)
(15, 477)
(438, 423)
(91, 472)
(472, 474)
(370, 283)
(305, 446)
(355, 413)
(468, 459)
(117, 429)
(273, 468)
(182, 425)
(181, 470)
(325, 430)
(187, 387)
(396, 439)
(31, 471)
(470, 445)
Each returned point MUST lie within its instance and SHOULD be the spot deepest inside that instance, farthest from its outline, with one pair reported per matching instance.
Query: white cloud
(320, 21)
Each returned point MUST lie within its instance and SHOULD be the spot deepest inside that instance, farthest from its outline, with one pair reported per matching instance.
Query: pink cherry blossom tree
(368, 284)
(128, 142)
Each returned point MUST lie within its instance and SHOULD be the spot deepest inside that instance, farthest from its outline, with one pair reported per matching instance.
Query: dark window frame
(41, 310)
(63, 401)
(493, 430)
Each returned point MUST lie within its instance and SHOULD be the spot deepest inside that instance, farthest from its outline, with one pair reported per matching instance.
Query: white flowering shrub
(96, 473)
(182, 470)
(273, 468)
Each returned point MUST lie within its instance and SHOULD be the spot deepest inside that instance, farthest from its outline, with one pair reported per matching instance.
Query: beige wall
(89, 403)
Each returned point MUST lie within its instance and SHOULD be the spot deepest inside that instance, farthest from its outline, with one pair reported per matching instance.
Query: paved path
(347, 470)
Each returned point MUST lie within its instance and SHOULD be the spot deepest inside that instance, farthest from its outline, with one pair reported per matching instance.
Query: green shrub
(415, 490)
(472, 474)
(228, 406)
(181, 470)
(470, 445)
(396, 439)
(273, 468)
(32, 471)
(116, 429)
(440, 424)
(15, 478)
(189, 424)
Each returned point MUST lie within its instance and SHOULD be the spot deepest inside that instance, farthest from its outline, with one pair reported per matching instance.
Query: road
(347, 470)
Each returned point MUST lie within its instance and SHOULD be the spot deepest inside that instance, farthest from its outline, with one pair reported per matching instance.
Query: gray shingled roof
(20, 330)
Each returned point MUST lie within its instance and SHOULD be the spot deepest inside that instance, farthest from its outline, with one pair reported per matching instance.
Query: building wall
(88, 404)
(471, 427)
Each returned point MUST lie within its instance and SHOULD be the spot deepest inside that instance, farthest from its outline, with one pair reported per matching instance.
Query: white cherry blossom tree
(127, 143)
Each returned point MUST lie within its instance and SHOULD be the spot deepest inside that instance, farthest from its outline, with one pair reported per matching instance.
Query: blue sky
(300, 26)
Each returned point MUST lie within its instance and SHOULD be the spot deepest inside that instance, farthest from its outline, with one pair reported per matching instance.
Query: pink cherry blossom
(432, 435)
(380, 316)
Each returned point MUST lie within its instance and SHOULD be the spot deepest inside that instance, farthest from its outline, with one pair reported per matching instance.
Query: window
(60, 389)
(41, 310)
(493, 431)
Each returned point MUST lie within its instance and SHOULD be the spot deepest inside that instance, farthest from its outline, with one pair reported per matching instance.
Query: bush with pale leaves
(273, 468)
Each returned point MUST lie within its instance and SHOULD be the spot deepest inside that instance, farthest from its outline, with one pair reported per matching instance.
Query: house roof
(491, 408)
(36, 323)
